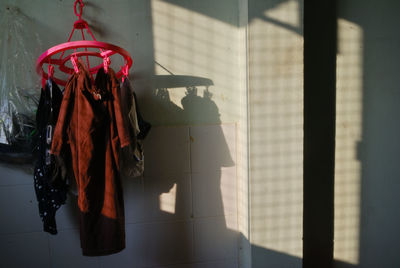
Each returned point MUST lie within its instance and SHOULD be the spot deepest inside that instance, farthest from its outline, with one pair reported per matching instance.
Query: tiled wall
(183, 213)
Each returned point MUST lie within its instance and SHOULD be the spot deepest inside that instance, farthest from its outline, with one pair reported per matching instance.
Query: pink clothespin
(50, 71)
(106, 63)
(74, 59)
(125, 71)
(43, 83)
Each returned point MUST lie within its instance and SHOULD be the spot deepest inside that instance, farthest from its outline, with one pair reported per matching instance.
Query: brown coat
(90, 131)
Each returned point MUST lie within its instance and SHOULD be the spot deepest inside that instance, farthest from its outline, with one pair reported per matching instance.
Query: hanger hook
(81, 5)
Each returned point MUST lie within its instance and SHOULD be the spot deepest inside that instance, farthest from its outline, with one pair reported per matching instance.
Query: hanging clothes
(132, 158)
(92, 126)
(50, 184)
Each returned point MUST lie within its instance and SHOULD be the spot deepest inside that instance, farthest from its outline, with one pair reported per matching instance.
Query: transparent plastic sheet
(19, 85)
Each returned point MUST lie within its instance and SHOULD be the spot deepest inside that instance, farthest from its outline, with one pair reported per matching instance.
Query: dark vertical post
(320, 41)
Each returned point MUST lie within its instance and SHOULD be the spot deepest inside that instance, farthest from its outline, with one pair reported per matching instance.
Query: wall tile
(19, 210)
(67, 216)
(168, 197)
(13, 175)
(229, 190)
(24, 250)
(212, 147)
(158, 199)
(214, 192)
(185, 265)
(134, 200)
(169, 243)
(213, 240)
(230, 263)
(167, 151)
(134, 255)
(65, 251)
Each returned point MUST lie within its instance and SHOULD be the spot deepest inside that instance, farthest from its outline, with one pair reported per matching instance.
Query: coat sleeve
(60, 131)
(121, 122)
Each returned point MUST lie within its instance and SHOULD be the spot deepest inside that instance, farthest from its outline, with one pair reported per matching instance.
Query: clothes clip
(50, 71)
(125, 71)
(74, 59)
(106, 63)
(43, 83)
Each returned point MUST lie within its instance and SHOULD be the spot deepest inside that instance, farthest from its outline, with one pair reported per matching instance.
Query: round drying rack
(105, 51)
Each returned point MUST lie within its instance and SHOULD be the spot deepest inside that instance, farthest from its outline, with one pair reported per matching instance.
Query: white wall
(366, 172)
(348, 136)
(204, 206)
(276, 132)
(190, 210)
(367, 169)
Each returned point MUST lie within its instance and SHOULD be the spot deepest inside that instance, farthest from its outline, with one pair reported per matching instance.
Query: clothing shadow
(188, 190)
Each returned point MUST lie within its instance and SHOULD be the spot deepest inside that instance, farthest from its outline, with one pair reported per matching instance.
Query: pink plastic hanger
(105, 50)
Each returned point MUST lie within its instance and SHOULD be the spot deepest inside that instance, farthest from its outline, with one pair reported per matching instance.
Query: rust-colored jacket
(90, 131)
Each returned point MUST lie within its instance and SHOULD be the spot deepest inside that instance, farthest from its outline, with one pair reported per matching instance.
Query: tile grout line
(191, 192)
(173, 220)
(49, 248)
(15, 185)
(238, 185)
(191, 262)
(238, 173)
(190, 171)
(22, 233)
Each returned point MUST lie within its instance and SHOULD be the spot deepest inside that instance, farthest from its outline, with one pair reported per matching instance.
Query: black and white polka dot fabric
(50, 189)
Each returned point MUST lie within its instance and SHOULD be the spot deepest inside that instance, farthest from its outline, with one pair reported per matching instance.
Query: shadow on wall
(374, 139)
(197, 198)
(380, 102)
(202, 110)
(200, 217)
(258, 8)
(195, 109)
(271, 258)
(373, 74)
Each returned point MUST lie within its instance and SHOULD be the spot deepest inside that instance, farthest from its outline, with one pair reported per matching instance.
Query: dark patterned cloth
(50, 185)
